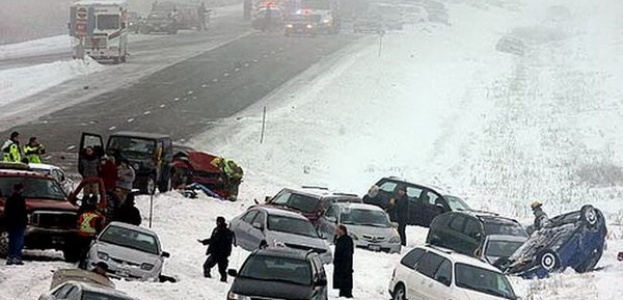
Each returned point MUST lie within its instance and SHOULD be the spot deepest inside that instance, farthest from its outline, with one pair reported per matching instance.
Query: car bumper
(379, 247)
(46, 238)
(122, 271)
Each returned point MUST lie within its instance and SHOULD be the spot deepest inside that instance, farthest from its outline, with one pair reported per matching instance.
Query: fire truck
(99, 29)
(327, 11)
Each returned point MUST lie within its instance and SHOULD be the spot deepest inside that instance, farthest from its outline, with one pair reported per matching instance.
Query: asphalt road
(185, 98)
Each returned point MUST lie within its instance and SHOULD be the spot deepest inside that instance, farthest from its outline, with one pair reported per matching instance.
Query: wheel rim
(4, 243)
(400, 294)
(548, 261)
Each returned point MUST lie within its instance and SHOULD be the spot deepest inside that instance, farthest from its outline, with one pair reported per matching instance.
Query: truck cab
(149, 154)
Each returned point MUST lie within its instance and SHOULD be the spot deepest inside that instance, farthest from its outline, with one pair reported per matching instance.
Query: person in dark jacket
(343, 262)
(128, 213)
(401, 208)
(16, 219)
(89, 165)
(219, 249)
(108, 171)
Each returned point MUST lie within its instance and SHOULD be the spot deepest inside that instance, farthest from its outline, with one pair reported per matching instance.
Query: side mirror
(166, 254)
(321, 282)
(267, 199)
(232, 273)
(257, 225)
(331, 219)
(395, 224)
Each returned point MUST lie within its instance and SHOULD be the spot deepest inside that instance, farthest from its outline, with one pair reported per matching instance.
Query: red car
(191, 166)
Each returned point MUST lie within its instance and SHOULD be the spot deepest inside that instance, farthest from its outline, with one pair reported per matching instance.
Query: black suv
(425, 203)
(280, 273)
(465, 232)
(149, 154)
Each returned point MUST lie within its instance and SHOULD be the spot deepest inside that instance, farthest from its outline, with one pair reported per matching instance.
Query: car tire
(71, 255)
(549, 260)
(399, 292)
(589, 216)
(590, 263)
(4, 243)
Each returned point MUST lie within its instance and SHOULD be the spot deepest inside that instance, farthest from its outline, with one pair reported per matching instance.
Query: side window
(260, 217)
(472, 229)
(249, 216)
(62, 292)
(331, 212)
(433, 199)
(413, 192)
(167, 150)
(411, 259)
(388, 187)
(73, 294)
(428, 264)
(457, 222)
(281, 198)
(444, 273)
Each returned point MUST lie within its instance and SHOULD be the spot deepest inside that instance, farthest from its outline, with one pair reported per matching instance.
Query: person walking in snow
(343, 262)
(15, 221)
(33, 151)
(10, 149)
(540, 217)
(219, 249)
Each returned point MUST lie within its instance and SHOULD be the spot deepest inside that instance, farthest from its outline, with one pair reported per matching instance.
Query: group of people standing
(30, 153)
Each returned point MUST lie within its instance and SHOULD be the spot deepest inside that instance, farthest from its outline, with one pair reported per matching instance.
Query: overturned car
(574, 239)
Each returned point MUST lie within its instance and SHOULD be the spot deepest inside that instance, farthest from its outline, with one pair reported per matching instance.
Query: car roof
(23, 174)
(283, 252)
(362, 206)
(428, 186)
(278, 211)
(43, 166)
(133, 227)
(505, 237)
(141, 135)
(456, 257)
(98, 288)
(486, 216)
(320, 192)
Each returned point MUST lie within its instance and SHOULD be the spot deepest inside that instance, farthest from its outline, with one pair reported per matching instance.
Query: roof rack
(315, 187)
(484, 212)
(345, 194)
(444, 250)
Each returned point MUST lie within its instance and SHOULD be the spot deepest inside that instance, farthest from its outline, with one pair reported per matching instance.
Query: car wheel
(549, 260)
(4, 243)
(589, 215)
(399, 293)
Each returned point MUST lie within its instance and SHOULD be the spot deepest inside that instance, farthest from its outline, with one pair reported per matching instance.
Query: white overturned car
(131, 252)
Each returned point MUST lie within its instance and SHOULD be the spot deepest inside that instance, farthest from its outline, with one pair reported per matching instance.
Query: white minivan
(434, 273)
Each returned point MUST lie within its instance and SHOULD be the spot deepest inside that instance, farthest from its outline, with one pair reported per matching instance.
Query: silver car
(131, 252)
(498, 246)
(76, 290)
(368, 225)
(278, 228)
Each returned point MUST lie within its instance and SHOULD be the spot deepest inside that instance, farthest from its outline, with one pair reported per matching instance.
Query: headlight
(147, 267)
(326, 21)
(310, 26)
(234, 296)
(394, 240)
(289, 26)
(102, 256)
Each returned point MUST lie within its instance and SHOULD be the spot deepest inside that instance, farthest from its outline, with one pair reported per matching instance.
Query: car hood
(305, 241)
(371, 231)
(44, 204)
(270, 289)
(126, 254)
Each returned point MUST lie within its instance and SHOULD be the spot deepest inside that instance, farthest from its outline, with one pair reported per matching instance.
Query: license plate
(374, 247)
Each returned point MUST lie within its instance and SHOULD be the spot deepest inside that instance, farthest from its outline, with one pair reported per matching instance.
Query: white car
(56, 173)
(438, 274)
(76, 290)
(368, 225)
(131, 252)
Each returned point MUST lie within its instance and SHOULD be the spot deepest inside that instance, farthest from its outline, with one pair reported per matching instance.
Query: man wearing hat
(540, 217)
(10, 149)
(16, 219)
(33, 151)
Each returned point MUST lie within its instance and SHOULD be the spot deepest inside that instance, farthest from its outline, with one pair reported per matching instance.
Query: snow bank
(50, 45)
(19, 83)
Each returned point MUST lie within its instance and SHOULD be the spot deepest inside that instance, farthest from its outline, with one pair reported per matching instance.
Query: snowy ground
(442, 106)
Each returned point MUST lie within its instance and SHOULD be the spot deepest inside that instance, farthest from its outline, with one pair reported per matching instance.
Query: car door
(408, 274)
(92, 140)
(417, 208)
(328, 222)
(473, 236)
(319, 291)
(240, 229)
(257, 228)
(425, 272)
(434, 204)
(440, 287)
(387, 189)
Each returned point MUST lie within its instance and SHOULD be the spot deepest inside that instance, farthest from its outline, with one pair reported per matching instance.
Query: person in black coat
(401, 204)
(128, 213)
(343, 262)
(16, 219)
(219, 249)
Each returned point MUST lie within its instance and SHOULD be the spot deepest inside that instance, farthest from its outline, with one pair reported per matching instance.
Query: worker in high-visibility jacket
(10, 149)
(33, 151)
(233, 175)
(90, 223)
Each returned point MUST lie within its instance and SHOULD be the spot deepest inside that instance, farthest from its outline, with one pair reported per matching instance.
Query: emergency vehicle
(327, 10)
(99, 29)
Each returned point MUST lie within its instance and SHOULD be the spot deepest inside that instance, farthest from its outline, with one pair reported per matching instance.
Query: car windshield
(99, 296)
(129, 238)
(131, 147)
(298, 202)
(107, 22)
(280, 269)
(291, 225)
(456, 203)
(504, 228)
(484, 281)
(34, 188)
(502, 248)
(365, 217)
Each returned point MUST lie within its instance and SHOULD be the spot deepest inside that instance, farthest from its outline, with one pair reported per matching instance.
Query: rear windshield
(504, 228)
(280, 269)
(34, 188)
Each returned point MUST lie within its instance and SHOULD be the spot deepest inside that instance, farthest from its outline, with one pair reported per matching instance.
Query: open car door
(92, 140)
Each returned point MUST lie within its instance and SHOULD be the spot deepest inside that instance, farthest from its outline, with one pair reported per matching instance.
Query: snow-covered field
(439, 105)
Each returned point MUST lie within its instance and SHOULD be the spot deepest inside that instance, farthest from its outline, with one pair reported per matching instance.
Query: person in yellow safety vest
(10, 149)
(90, 223)
(233, 175)
(33, 151)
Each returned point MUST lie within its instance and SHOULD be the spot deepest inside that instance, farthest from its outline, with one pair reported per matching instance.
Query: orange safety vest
(87, 223)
